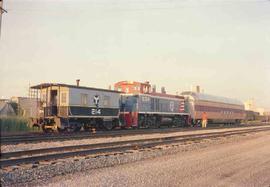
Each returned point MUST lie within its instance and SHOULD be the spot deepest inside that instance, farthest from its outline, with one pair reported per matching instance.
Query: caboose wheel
(108, 125)
(76, 129)
(61, 130)
(86, 128)
(46, 130)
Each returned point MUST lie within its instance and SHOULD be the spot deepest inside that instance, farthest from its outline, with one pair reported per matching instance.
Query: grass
(15, 124)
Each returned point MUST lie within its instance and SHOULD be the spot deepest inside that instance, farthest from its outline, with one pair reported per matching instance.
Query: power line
(1, 12)
(141, 4)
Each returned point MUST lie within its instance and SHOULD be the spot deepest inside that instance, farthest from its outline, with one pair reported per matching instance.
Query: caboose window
(84, 99)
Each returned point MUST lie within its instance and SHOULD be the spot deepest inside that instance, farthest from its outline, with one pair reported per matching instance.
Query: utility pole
(2, 10)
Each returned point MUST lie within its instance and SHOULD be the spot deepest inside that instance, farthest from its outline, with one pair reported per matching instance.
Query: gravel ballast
(39, 145)
(40, 173)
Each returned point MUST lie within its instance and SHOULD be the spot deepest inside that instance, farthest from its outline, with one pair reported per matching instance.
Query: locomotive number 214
(96, 111)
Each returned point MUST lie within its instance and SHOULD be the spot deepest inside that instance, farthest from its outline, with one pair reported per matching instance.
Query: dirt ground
(242, 163)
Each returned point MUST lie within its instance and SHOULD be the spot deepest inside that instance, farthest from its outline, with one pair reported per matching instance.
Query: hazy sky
(222, 45)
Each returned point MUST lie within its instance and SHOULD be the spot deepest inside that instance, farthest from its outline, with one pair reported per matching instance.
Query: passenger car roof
(213, 98)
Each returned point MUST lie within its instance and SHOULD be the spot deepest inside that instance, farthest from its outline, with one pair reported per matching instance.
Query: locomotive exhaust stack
(163, 90)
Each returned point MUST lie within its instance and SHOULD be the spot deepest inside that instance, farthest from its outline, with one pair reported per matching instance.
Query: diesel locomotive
(153, 110)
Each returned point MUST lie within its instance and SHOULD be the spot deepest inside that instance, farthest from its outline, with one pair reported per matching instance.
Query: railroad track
(37, 155)
(15, 139)
(82, 135)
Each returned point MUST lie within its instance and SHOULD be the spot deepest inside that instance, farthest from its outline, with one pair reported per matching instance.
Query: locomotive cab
(152, 110)
(129, 115)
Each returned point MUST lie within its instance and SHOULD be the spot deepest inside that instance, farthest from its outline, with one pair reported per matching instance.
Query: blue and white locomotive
(70, 107)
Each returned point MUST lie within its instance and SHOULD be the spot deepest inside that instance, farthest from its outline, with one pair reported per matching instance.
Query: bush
(14, 124)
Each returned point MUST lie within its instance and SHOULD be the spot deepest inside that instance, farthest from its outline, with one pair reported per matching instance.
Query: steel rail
(40, 137)
(84, 135)
(101, 134)
(111, 147)
(84, 146)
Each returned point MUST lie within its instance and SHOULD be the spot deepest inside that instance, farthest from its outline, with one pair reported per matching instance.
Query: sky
(221, 45)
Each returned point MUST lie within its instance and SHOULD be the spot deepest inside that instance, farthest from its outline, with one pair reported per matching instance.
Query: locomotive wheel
(178, 122)
(151, 122)
(141, 122)
(158, 124)
(76, 129)
(147, 123)
(86, 128)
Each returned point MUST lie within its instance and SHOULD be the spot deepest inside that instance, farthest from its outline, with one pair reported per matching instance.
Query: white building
(27, 107)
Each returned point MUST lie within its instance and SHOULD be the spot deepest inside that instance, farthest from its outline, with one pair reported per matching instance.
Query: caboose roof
(46, 85)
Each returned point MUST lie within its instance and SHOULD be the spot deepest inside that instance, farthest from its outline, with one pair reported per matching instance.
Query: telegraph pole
(2, 10)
